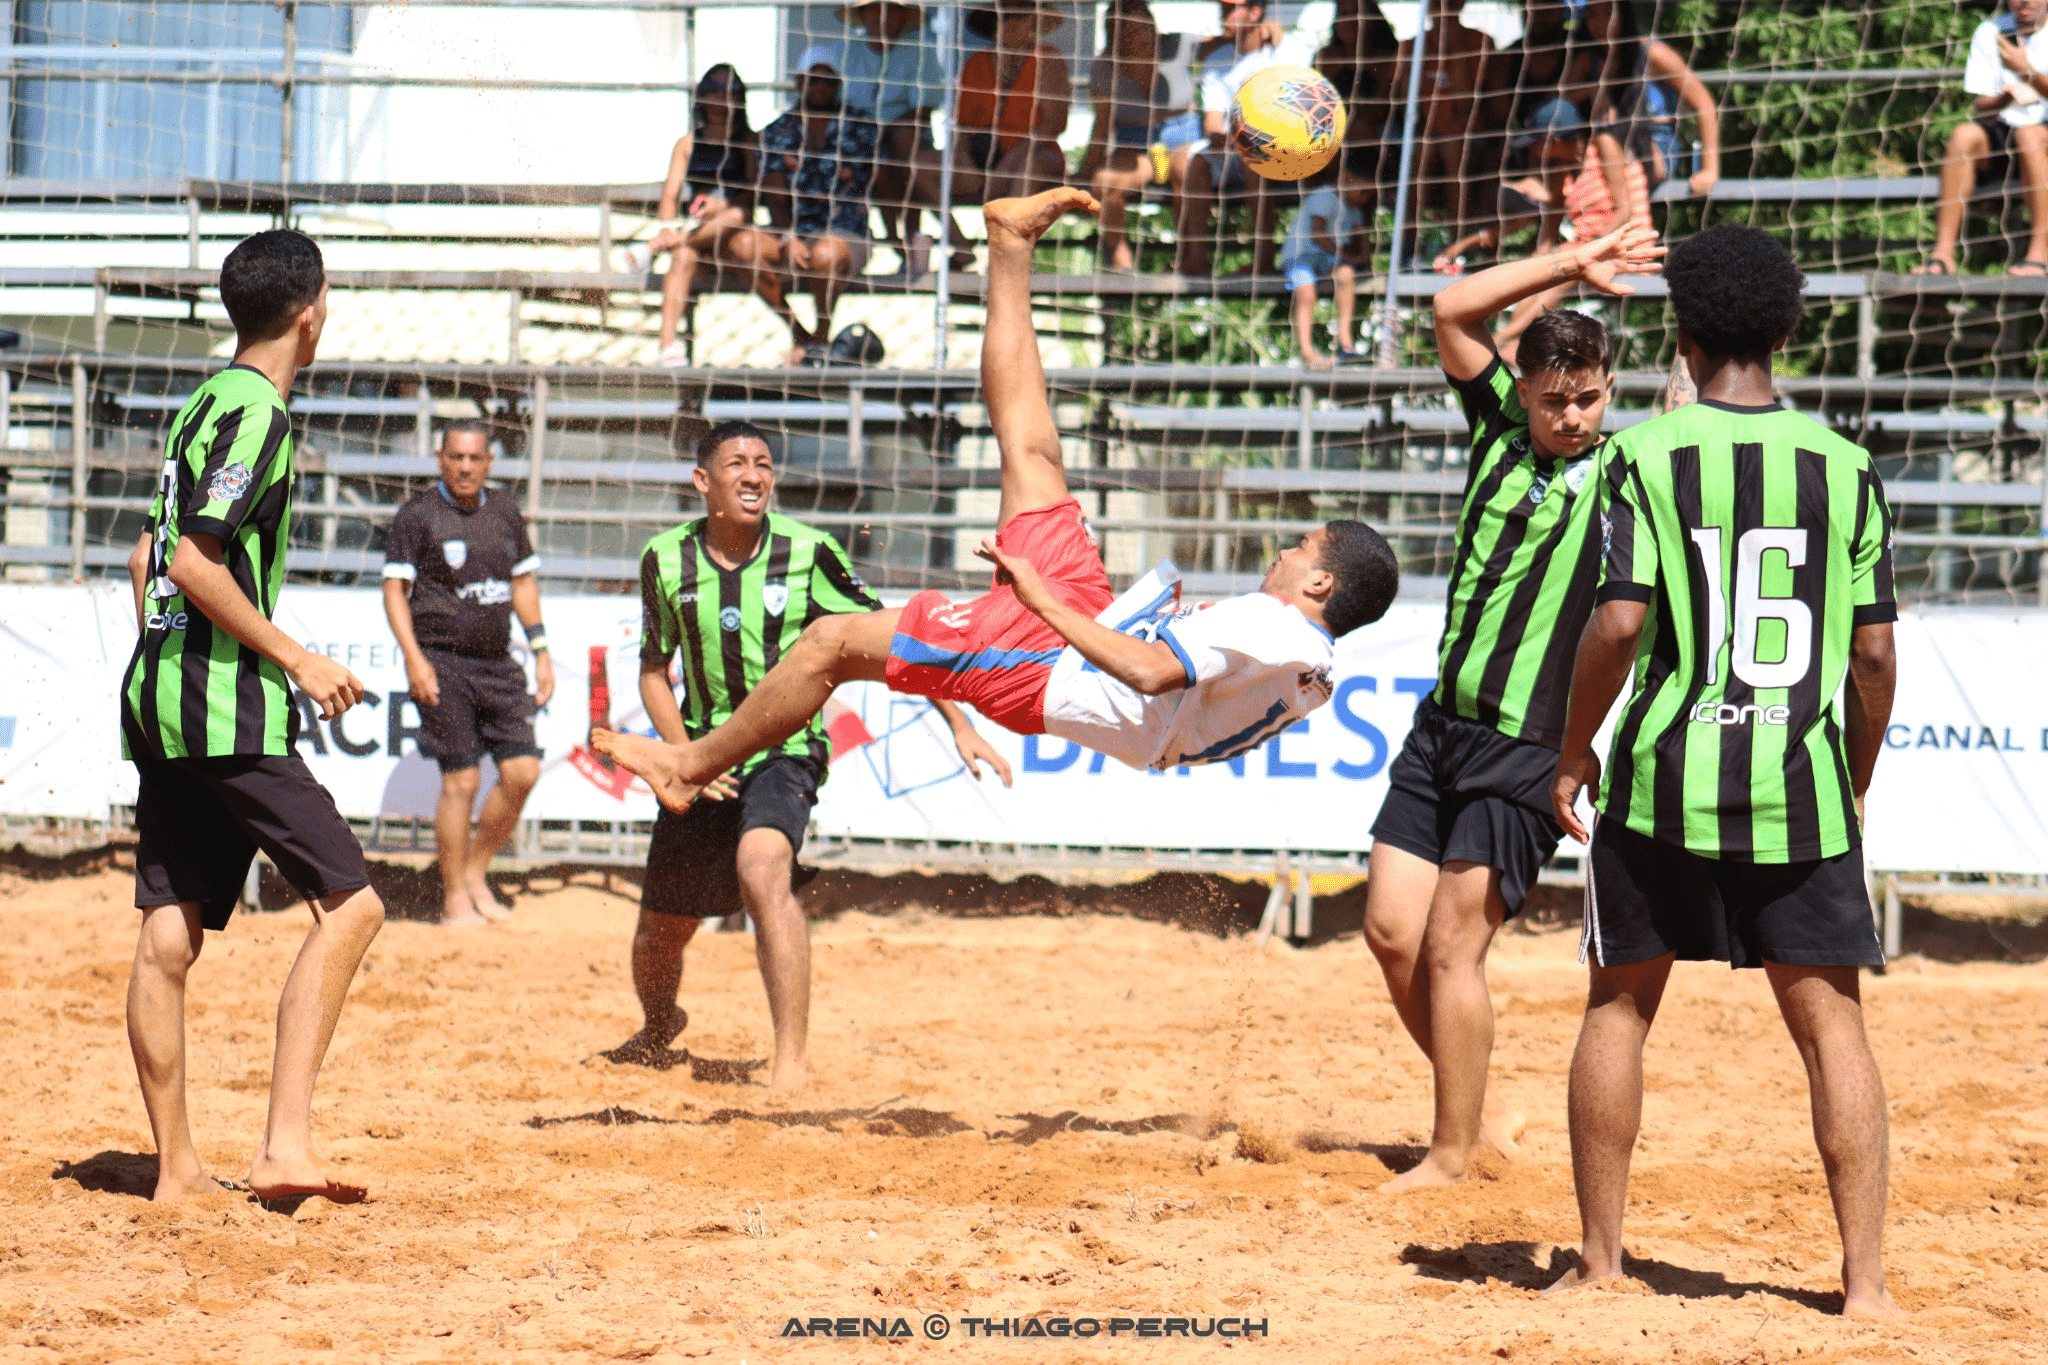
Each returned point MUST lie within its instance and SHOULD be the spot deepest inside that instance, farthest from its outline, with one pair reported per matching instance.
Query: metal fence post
(286, 86)
(951, 62)
(423, 421)
(1390, 330)
(536, 447)
(81, 440)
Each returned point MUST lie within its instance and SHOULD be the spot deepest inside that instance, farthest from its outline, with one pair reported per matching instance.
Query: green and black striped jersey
(1521, 584)
(1760, 540)
(732, 625)
(192, 690)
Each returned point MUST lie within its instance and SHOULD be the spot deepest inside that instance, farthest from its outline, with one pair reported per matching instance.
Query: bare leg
(1606, 1107)
(658, 944)
(165, 950)
(451, 841)
(1302, 309)
(1464, 912)
(1966, 146)
(832, 650)
(1114, 185)
(2030, 144)
(1345, 281)
(1265, 228)
(782, 944)
(831, 264)
(1194, 216)
(343, 926)
(1823, 1010)
(516, 777)
(1012, 377)
(675, 291)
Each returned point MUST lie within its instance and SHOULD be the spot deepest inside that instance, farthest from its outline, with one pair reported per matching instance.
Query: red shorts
(992, 653)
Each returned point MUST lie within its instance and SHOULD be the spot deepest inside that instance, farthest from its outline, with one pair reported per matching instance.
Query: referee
(457, 567)
(209, 716)
(731, 592)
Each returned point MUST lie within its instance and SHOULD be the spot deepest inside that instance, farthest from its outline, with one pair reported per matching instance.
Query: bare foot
(1879, 1307)
(659, 765)
(651, 1043)
(270, 1178)
(182, 1184)
(1500, 1130)
(458, 913)
(1025, 220)
(1318, 362)
(1577, 1278)
(1432, 1172)
(487, 905)
(790, 1077)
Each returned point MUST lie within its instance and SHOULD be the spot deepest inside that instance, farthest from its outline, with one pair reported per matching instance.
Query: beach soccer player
(1747, 586)
(209, 719)
(1172, 688)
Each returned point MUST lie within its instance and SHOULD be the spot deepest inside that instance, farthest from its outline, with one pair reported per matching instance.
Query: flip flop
(1933, 265)
(2029, 269)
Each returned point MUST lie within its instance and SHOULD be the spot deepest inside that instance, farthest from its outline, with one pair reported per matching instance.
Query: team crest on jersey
(729, 618)
(455, 552)
(230, 482)
(775, 597)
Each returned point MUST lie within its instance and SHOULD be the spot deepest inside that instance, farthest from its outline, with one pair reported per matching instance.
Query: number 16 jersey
(1759, 540)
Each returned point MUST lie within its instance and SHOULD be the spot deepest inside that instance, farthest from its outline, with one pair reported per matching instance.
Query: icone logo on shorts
(1727, 713)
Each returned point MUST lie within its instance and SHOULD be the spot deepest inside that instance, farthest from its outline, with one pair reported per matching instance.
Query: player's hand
(543, 678)
(424, 682)
(1703, 181)
(2015, 58)
(1019, 574)
(1631, 249)
(332, 687)
(721, 788)
(1573, 776)
(974, 751)
(799, 254)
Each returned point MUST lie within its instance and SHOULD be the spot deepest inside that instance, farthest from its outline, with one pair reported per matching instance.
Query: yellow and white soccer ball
(1287, 122)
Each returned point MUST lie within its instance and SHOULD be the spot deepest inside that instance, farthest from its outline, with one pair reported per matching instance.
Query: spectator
(1249, 46)
(1140, 139)
(457, 567)
(2008, 73)
(816, 164)
(1327, 242)
(894, 78)
(714, 165)
(1645, 124)
(1364, 61)
(1458, 150)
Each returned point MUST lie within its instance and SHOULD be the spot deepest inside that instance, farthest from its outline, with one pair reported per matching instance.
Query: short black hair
(467, 426)
(1735, 290)
(735, 430)
(268, 279)
(1367, 575)
(1564, 343)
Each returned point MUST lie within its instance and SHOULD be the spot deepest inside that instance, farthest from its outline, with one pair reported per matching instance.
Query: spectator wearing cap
(712, 170)
(1140, 138)
(2008, 73)
(1251, 47)
(817, 162)
(894, 77)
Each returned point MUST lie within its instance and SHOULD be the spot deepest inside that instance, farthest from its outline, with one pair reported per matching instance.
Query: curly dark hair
(1735, 290)
(1367, 575)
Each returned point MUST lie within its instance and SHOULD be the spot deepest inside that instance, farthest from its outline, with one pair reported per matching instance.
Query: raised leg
(782, 945)
(165, 950)
(494, 826)
(1012, 377)
(1823, 1010)
(451, 844)
(1605, 1103)
(343, 926)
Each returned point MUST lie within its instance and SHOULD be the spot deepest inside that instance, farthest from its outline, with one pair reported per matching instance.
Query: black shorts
(1462, 792)
(1998, 166)
(692, 861)
(198, 822)
(484, 709)
(1646, 898)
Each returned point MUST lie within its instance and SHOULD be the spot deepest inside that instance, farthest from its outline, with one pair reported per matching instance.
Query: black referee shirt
(461, 563)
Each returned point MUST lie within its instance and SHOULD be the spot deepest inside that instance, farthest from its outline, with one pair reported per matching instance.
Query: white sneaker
(673, 357)
(638, 259)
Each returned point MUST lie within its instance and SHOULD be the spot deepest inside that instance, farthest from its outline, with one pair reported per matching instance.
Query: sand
(1071, 1113)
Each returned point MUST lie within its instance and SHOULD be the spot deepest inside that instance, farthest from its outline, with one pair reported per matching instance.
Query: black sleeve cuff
(1621, 592)
(1876, 614)
(1478, 390)
(208, 526)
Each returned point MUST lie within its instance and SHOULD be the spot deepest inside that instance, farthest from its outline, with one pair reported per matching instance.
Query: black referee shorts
(693, 859)
(1646, 898)
(1462, 792)
(484, 709)
(198, 822)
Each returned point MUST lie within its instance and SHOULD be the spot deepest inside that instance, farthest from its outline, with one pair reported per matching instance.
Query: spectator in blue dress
(817, 162)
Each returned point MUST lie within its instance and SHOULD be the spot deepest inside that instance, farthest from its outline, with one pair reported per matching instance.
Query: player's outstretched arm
(198, 572)
(1464, 310)
(1607, 650)
(1873, 675)
(1012, 378)
(1146, 666)
(974, 750)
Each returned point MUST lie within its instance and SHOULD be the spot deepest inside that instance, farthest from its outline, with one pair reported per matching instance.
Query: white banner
(1961, 786)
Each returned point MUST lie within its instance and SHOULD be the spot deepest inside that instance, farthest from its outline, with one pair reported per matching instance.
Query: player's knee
(1344, 274)
(169, 943)
(1968, 140)
(517, 776)
(363, 907)
(461, 782)
(826, 638)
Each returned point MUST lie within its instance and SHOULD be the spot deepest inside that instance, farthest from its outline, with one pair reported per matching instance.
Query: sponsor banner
(1961, 786)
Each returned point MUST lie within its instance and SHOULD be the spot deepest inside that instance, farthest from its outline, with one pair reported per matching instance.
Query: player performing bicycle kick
(1149, 684)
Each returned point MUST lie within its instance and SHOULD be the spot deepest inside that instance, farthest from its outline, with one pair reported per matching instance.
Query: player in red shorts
(1160, 687)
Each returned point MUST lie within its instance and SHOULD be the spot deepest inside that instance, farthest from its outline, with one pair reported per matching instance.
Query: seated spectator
(1327, 243)
(712, 170)
(2008, 73)
(1248, 49)
(894, 77)
(1463, 116)
(1364, 61)
(1007, 118)
(816, 164)
(1140, 139)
